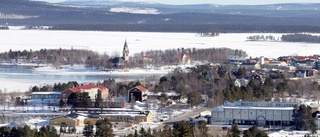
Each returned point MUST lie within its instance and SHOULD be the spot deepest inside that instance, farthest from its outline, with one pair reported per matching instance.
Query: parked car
(164, 118)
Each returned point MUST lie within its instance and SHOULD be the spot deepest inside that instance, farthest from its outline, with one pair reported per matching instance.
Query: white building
(52, 98)
(45, 95)
(255, 113)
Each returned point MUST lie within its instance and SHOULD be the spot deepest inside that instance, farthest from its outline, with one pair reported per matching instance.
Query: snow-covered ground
(135, 10)
(283, 133)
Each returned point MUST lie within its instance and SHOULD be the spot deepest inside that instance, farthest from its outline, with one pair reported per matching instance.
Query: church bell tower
(125, 52)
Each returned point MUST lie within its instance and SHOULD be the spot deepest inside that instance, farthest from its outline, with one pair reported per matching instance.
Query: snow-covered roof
(168, 93)
(46, 93)
(218, 109)
(259, 108)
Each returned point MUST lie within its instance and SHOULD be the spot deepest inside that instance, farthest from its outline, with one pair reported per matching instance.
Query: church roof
(117, 60)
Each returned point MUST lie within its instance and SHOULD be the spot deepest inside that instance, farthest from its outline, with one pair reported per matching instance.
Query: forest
(203, 28)
(299, 37)
(262, 38)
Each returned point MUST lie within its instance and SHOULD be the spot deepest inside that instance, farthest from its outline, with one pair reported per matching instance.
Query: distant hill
(104, 14)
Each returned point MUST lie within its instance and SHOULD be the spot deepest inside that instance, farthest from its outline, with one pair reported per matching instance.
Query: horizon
(219, 2)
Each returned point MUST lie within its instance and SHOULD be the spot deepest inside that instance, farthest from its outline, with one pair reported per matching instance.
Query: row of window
(260, 112)
(45, 96)
(269, 104)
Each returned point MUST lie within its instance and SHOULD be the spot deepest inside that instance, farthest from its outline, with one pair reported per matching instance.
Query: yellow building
(123, 117)
(117, 118)
(70, 120)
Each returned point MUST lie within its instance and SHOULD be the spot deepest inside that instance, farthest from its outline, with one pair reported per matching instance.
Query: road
(184, 116)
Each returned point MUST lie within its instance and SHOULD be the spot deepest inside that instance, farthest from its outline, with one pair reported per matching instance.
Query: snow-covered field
(135, 10)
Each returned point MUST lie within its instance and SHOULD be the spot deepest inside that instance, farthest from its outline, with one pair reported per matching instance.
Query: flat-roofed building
(255, 113)
(51, 98)
(45, 95)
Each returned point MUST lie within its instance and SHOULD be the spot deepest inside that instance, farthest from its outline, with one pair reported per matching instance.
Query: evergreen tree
(136, 133)
(149, 133)
(303, 119)
(72, 100)
(167, 131)
(203, 129)
(235, 132)
(98, 101)
(47, 131)
(194, 99)
(104, 128)
(15, 132)
(73, 130)
(142, 132)
(254, 131)
(88, 129)
(5, 131)
(83, 99)
(61, 103)
(27, 131)
(182, 129)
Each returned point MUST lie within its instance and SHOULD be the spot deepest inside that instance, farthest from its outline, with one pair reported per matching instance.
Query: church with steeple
(120, 62)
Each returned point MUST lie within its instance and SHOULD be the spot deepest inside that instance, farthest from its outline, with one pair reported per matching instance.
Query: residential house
(184, 57)
(248, 66)
(304, 73)
(303, 61)
(138, 93)
(171, 95)
(236, 61)
(241, 82)
(146, 60)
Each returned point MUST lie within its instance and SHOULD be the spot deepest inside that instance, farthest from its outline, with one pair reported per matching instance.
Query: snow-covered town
(156, 68)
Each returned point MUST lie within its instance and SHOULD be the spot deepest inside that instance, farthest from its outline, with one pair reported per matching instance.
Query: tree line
(103, 129)
(26, 131)
(221, 28)
(298, 37)
(253, 131)
(303, 119)
(179, 129)
(94, 60)
(261, 38)
(58, 57)
(170, 56)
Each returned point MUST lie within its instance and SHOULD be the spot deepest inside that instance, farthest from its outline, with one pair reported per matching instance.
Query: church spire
(125, 52)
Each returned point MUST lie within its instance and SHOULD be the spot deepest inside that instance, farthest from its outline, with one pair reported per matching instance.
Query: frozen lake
(112, 42)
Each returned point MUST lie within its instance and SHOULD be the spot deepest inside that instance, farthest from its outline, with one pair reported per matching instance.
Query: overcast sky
(224, 2)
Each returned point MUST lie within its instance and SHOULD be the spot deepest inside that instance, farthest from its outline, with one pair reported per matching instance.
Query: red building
(138, 93)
